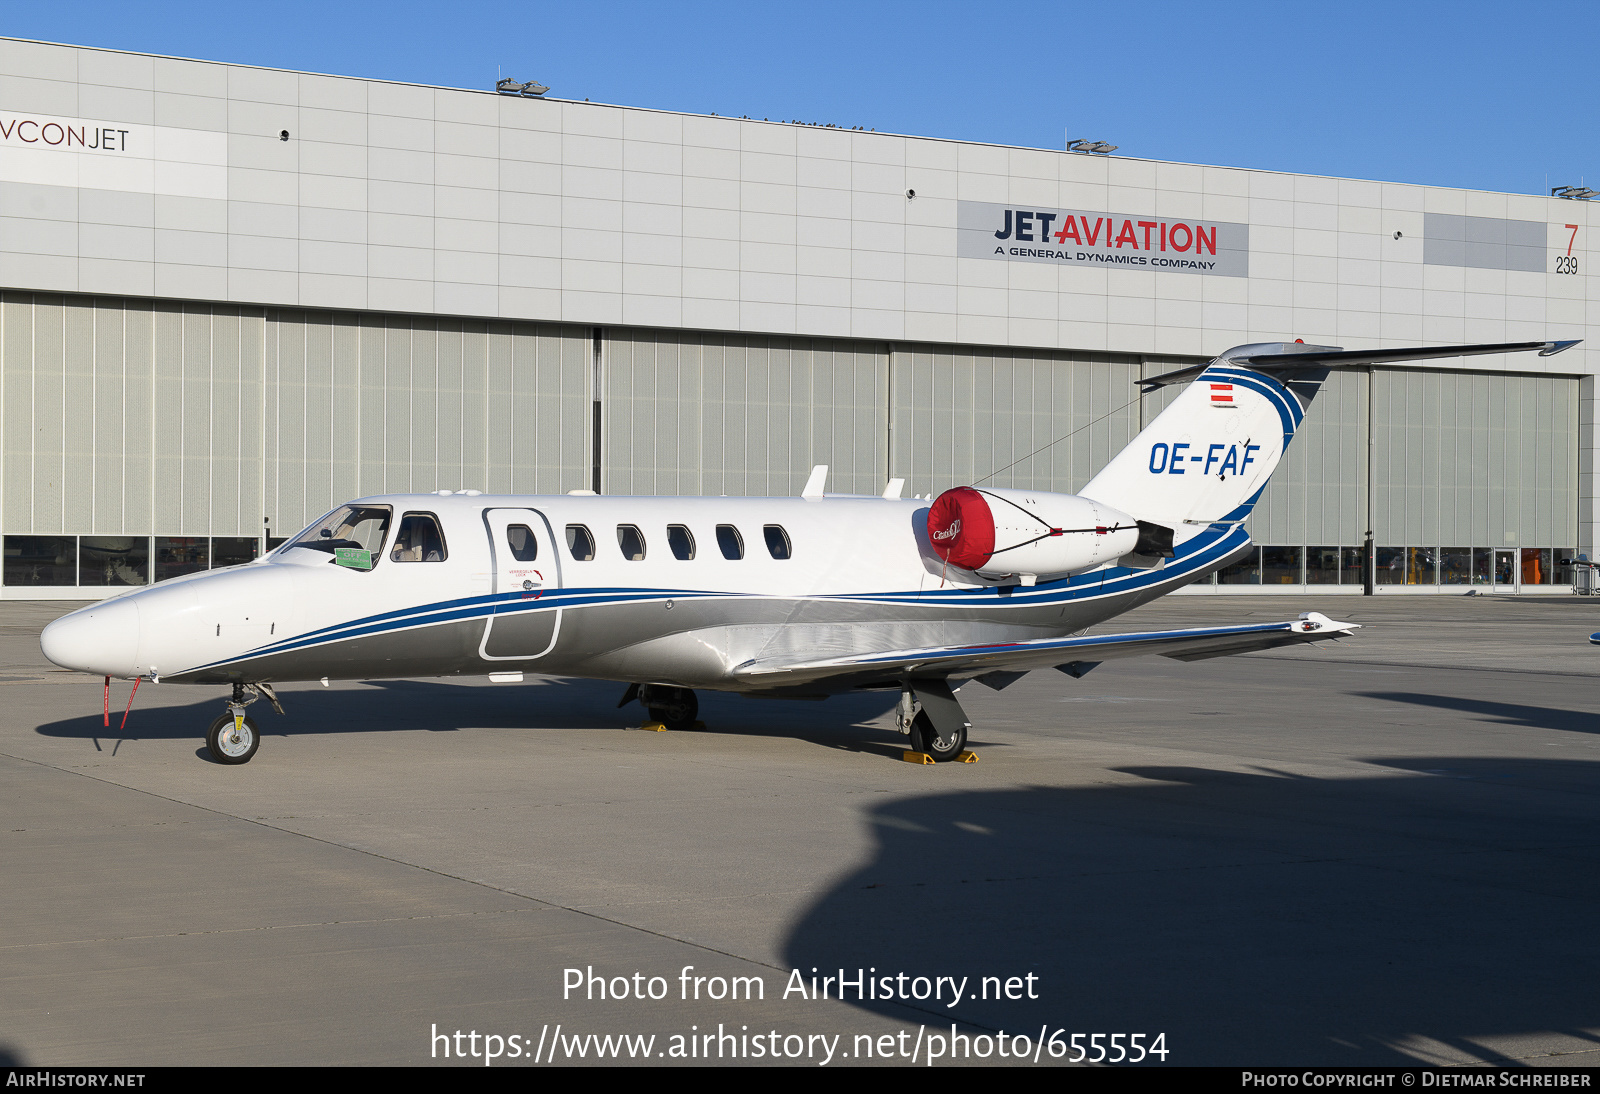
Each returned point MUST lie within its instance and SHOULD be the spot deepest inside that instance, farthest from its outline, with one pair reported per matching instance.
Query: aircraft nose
(102, 639)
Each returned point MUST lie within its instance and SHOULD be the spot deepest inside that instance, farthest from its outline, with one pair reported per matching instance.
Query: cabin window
(777, 541)
(681, 540)
(580, 542)
(353, 534)
(419, 539)
(520, 538)
(731, 542)
(631, 540)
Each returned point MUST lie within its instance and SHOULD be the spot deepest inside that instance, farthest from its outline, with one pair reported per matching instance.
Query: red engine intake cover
(962, 528)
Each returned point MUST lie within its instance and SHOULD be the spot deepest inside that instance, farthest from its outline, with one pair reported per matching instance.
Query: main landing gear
(233, 738)
(675, 708)
(928, 713)
(931, 716)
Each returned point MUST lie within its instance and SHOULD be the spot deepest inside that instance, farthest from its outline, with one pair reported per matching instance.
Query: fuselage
(671, 590)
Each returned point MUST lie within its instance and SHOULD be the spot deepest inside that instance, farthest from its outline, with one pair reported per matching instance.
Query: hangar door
(692, 413)
(1042, 419)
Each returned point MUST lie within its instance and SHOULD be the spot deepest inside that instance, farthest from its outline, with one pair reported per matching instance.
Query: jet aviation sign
(1077, 237)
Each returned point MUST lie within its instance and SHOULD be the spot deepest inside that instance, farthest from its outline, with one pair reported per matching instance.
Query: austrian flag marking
(1222, 395)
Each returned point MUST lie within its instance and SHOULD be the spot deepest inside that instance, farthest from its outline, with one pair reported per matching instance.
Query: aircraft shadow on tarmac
(445, 706)
(1255, 918)
(1572, 721)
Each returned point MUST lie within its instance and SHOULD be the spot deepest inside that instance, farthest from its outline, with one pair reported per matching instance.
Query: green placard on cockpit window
(353, 557)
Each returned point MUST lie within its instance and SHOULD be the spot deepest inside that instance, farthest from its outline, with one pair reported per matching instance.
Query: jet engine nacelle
(997, 534)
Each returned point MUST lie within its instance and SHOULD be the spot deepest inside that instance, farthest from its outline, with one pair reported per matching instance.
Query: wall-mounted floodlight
(1097, 147)
(1576, 193)
(508, 86)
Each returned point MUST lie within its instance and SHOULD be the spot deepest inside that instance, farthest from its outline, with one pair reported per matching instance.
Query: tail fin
(1206, 458)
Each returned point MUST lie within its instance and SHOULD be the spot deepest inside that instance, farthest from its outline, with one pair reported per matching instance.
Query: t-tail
(1204, 461)
(1182, 488)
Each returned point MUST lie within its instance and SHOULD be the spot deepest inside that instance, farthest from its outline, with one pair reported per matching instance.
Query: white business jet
(797, 597)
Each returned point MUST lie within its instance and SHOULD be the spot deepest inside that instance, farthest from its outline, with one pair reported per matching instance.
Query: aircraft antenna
(1058, 440)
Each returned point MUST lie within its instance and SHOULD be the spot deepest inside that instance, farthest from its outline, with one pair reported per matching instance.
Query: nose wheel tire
(925, 738)
(231, 745)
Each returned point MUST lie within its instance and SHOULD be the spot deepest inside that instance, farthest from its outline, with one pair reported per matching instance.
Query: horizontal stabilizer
(1296, 355)
(1185, 645)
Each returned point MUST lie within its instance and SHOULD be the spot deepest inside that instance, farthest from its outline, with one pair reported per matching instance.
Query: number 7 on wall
(1572, 239)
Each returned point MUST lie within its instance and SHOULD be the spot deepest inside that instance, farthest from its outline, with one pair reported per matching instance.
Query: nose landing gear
(233, 738)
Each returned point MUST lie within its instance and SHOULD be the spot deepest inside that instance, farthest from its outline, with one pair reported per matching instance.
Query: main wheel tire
(230, 747)
(924, 738)
(681, 714)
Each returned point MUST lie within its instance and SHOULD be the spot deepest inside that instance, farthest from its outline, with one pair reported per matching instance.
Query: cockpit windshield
(352, 534)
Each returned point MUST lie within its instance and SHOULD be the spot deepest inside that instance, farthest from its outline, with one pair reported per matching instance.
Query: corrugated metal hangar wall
(134, 417)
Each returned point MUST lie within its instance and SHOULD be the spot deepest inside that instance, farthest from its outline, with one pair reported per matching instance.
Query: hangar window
(681, 540)
(353, 534)
(520, 538)
(1391, 565)
(108, 560)
(180, 555)
(1455, 566)
(731, 542)
(1247, 571)
(1322, 566)
(42, 560)
(777, 541)
(580, 542)
(419, 539)
(631, 540)
(1282, 565)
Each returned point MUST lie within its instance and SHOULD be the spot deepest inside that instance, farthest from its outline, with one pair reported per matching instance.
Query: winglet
(815, 484)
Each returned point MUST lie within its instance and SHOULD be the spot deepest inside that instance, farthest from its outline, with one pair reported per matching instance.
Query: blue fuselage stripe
(1200, 553)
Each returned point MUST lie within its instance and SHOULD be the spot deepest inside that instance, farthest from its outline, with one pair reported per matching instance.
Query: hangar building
(234, 297)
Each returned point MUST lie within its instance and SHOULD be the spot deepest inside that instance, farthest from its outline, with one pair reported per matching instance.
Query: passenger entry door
(1505, 570)
(527, 567)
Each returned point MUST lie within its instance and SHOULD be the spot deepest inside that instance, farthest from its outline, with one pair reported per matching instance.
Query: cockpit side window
(631, 540)
(580, 541)
(730, 541)
(419, 539)
(777, 541)
(524, 546)
(353, 534)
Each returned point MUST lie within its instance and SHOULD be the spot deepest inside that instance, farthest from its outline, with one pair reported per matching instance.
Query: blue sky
(1492, 96)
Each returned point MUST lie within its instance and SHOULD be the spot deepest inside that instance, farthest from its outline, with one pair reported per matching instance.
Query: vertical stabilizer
(1206, 458)
(1208, 455)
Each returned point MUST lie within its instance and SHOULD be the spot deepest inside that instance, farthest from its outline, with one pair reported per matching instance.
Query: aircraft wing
(1073, 655)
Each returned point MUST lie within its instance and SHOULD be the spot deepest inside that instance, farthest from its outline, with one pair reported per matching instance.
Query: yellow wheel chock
(967, 757)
